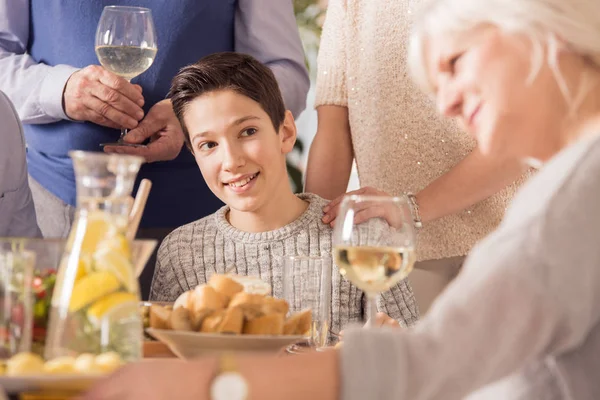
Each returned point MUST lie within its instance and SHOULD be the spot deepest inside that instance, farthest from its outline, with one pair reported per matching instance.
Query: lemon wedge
(91, 288)
(99, 227)
(24, 364)
(60, 365)
(117, 264)
(105, 305)
(84, 267)
(86, 364)
(118, 244)
(108, 362)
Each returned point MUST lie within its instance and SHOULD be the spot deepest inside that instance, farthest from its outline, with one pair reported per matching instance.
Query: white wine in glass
(374, 269)
(126, 61)
(126, 45)
(377, 253)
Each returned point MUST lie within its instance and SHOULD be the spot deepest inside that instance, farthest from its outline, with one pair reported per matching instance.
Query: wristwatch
(228, 384)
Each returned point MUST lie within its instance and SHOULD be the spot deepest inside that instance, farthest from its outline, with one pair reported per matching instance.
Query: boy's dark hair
(227, 71)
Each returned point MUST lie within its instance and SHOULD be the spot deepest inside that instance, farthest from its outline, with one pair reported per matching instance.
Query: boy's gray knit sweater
(193, 252)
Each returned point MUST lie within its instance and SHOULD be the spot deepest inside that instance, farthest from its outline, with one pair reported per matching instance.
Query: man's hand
(96, 95)
(163, 129)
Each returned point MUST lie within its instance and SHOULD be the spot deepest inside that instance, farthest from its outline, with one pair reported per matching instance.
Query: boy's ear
(287, 133)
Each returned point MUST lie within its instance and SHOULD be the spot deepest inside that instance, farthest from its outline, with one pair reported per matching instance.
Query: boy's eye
(248, 132)
(207, 145)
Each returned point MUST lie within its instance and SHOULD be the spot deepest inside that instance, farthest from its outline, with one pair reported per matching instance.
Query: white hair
(549, 24)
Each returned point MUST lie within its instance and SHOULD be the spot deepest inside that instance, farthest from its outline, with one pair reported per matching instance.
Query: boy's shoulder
(189, 234)
(316, 208)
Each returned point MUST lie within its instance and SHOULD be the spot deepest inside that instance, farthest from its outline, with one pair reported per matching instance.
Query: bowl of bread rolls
(229, 313)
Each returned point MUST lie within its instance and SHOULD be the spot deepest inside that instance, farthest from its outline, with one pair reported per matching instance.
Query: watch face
(229, 386)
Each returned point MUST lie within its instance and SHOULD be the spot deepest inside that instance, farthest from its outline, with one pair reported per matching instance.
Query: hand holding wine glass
(126, 44)
(99, 96)
(374, 253)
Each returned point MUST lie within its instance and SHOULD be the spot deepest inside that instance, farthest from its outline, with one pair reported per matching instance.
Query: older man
(17, 215)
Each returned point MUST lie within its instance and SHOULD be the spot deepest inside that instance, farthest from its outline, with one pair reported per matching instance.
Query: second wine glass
(374, 244)
(126, 44)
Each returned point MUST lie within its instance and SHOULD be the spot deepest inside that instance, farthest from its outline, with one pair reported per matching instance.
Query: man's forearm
(35, 89)
(294, 84)
(473, 179)
(273, 39)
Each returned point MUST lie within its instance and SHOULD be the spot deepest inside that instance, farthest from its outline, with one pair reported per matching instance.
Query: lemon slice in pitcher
(99, 227)
(92, 287)
(117, 264)
(105, 305)
(117, 243)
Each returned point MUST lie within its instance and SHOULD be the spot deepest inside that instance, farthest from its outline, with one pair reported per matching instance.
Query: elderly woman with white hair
(522, 320)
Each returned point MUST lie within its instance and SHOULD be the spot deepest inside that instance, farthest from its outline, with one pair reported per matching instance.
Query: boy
(236, 126)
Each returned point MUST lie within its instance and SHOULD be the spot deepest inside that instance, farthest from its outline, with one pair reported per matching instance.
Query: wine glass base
(305, 348)
(123, 144)
(299, 348)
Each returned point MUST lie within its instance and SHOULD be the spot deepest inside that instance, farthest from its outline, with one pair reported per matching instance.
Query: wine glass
(307, 286)
(126, 45)
(374, 244)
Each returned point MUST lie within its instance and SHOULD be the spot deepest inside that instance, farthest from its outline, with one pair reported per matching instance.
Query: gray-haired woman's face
(480, 78)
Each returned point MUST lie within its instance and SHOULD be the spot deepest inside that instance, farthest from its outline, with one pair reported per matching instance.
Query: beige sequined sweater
(400, 143)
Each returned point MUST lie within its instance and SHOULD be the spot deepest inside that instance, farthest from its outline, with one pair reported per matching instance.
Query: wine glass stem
(123, 130)
(371, 310)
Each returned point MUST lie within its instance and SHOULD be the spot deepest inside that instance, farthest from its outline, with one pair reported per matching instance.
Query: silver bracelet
(414, 207)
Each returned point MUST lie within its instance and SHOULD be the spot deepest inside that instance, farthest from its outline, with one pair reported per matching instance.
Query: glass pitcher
(95, 303)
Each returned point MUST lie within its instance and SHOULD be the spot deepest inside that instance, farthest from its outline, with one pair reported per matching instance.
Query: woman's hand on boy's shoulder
(372, 210)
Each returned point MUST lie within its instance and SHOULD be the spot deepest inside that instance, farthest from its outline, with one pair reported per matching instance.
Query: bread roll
(252, 311)
(183, 300)
(244, 300)
(298, 324)
(225, 285)
(160, 317)
(271, 324)
(273, 305)
(180, 319)
(253, 284)
(233, 321)
(211, 322)
(205, 296)
(198, 317)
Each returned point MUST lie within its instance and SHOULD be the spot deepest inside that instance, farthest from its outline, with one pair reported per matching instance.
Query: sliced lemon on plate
(24, 364)
(108, 362)
(91, 288)
(60, 365)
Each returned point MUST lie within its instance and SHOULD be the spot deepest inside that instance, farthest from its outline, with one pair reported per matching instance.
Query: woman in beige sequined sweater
(369, 109)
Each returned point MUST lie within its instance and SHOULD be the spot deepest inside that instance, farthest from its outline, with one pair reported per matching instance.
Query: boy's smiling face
(240, 155)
